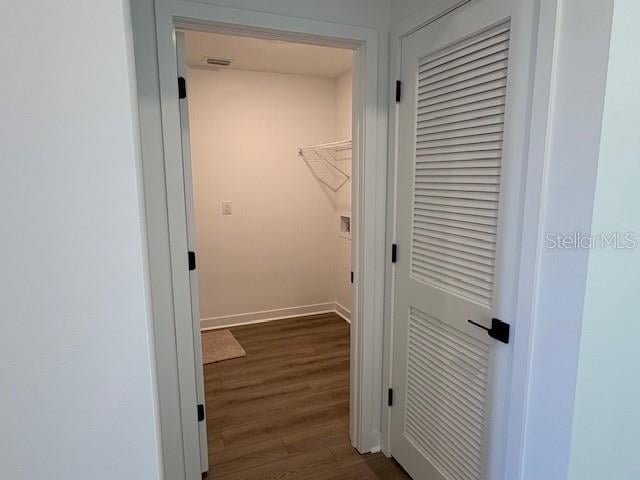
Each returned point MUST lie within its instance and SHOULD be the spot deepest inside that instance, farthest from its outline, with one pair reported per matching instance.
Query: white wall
(276, 250)
(403, 9)
(76, 378)
(342, 292)
(576, 79)
(606, 420)
(369, 13)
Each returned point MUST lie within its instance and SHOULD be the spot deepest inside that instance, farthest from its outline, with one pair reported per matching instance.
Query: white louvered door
(461, 142)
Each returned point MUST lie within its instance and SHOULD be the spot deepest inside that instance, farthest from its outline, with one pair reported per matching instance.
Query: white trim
(192, 247)
(223, 321)
(532, 227)
(549, 350)
(164, 202)
(155, 194)
(342, 311)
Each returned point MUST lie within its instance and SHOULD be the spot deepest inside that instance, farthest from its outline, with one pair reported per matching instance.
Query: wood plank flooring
(282, 412)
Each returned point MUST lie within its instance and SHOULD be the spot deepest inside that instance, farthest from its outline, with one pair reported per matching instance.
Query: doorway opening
(267, 156)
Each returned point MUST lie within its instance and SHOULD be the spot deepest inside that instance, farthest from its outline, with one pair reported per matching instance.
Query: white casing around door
(461, 143)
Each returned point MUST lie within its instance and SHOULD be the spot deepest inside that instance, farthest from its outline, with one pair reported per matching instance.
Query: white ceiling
(267, 55)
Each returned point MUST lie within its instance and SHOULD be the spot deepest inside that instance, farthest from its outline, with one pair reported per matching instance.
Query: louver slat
(480, 121)
(478, 42)
(463, 116)
(459, 133)
(463, 98)
(470, 137)
(487, 83)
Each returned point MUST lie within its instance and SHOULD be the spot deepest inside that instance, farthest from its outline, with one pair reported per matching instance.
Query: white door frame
(544, 30)
(181, 57)
(155, 55)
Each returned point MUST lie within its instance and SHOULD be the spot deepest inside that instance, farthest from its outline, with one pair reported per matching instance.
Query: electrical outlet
(227, 207)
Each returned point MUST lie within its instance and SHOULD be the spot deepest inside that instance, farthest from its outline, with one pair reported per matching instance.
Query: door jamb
(532, 228)
(155, 63)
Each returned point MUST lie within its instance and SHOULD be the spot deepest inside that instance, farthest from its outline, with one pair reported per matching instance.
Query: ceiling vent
(217, 62)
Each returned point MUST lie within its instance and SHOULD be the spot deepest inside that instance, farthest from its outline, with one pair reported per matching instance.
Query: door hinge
(200, 412)
(398, 91)
(351, 277)
(394, 253)
(499, 330)
(192, 261)
(182, 87)
(390, 397)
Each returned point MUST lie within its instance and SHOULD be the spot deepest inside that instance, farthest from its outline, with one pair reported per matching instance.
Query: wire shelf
(323, 160)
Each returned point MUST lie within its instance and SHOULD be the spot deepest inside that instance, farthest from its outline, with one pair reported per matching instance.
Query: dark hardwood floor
(282, 412)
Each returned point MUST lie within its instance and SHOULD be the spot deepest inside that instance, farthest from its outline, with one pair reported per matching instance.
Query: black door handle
(499, 329)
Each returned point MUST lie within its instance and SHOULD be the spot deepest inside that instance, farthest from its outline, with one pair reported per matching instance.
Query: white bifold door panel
(191, 241)
(461, 144)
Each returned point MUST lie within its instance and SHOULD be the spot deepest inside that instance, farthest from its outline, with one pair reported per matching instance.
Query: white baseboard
(343, 311)
(270, 315)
